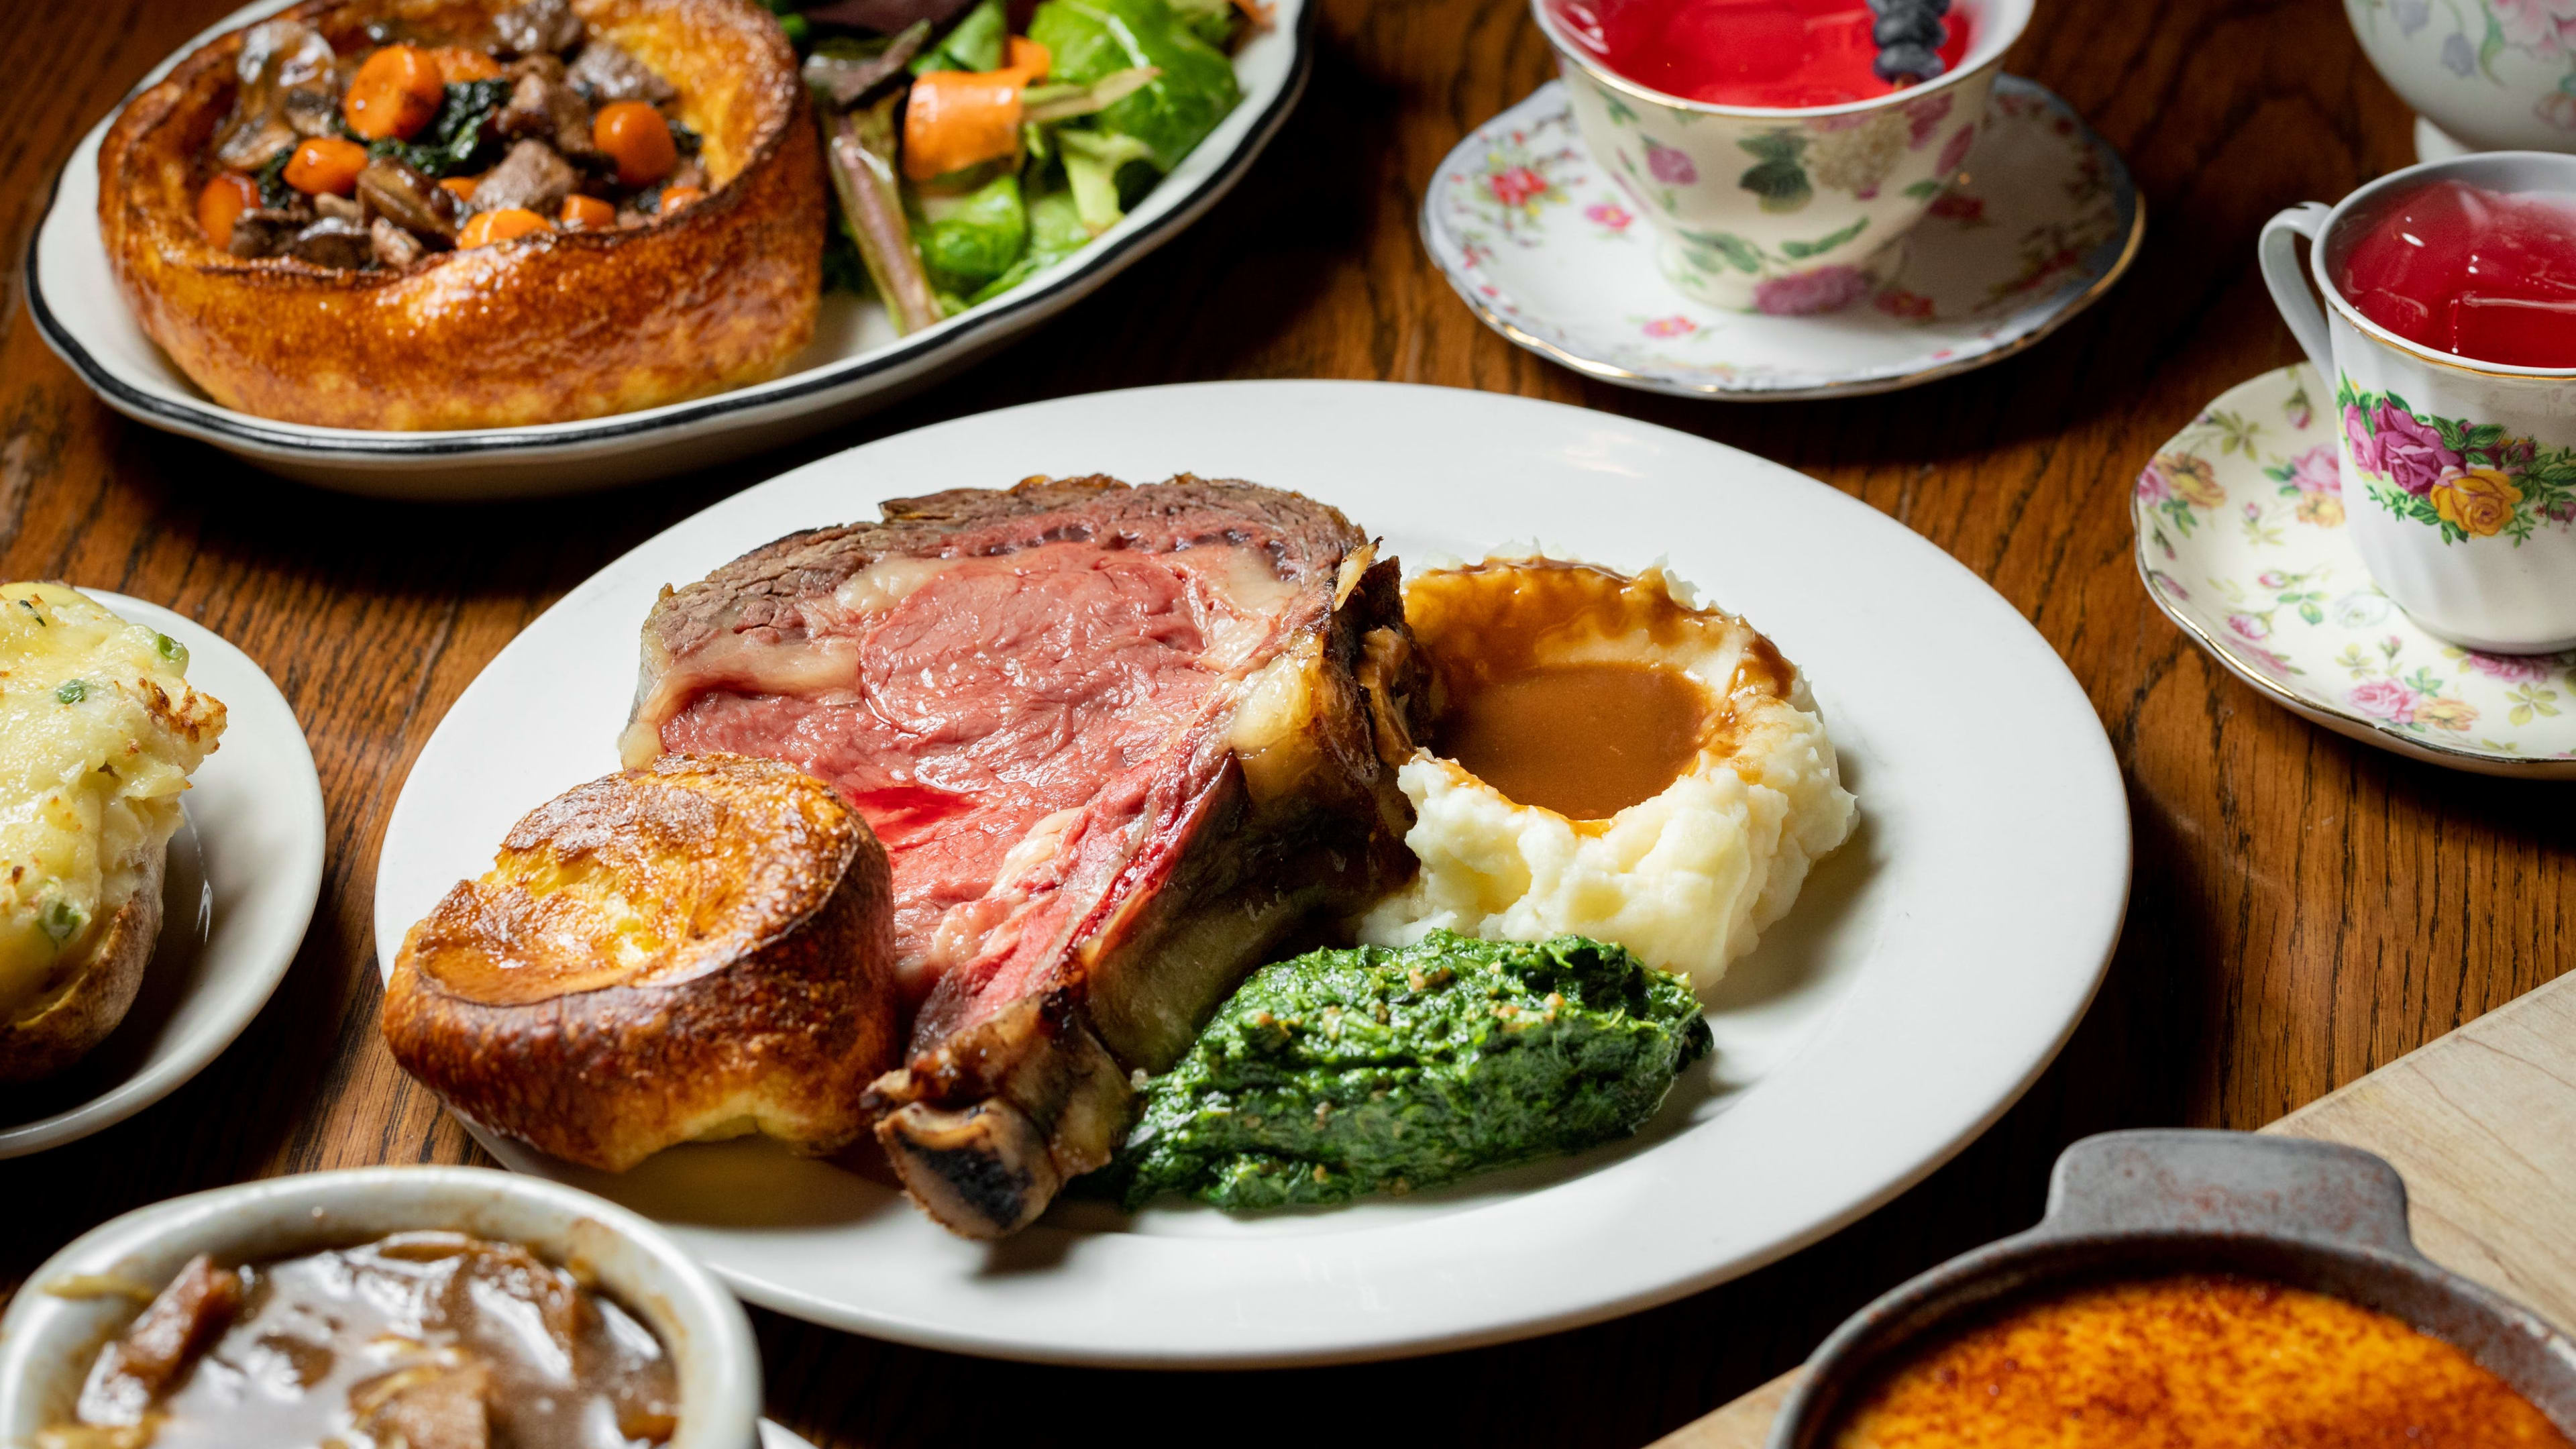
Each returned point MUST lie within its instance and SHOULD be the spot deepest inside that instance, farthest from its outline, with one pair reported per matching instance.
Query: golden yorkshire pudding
(293, 212)
(697, 949)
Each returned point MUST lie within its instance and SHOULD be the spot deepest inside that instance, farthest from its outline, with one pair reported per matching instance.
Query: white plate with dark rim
(1536, 240)
(855, 363)
(1932, 969)
(2242, 541)
(245, 871)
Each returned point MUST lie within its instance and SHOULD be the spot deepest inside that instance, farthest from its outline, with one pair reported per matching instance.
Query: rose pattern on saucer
(2242, 539)
(1550, 247)
(2470, 480)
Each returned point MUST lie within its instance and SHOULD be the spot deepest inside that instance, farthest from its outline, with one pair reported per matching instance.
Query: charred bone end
(986, 1128)
(984, 1172)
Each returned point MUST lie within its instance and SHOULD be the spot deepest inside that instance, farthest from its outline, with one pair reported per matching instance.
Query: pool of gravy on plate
(429, 1340)
(1586, 738)
(2207, 1360)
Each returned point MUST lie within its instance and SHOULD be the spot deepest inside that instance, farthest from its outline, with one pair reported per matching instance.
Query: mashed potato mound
(1688, 878)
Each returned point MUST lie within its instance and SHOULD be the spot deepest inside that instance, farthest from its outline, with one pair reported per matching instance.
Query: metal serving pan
(2141, 1204)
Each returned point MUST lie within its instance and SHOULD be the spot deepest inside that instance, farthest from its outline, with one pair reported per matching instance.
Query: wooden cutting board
(2481, 1124)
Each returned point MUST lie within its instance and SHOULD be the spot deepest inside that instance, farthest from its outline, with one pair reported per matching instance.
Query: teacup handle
(2278, 250)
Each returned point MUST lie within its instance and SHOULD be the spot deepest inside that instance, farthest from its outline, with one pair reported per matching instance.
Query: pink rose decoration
(1955, 152)
(1669, 166)
(2152, 486)
(2250, 626)
(1608, 213)
(1921, 115)
(2410, 452)
(1803, 294)
(2543, 27)
(1517, 186)
(2316, 471)
(2512, 669)
(2384, 699)
(2356, 434)
(1952, 206)
(1674, 326)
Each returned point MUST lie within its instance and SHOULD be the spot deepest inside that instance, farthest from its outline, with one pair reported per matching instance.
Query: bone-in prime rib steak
(1117, 742)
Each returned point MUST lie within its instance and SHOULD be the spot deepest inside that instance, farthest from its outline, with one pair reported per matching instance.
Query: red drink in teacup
(2447, 341)
(2476, 273)
(1777, 54)
(1781, 149)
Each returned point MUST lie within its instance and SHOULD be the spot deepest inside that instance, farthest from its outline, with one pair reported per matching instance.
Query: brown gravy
(431, 1340)
(1584, 740)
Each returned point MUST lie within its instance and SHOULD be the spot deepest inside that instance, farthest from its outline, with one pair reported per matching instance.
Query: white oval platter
(855, 363)
(1933, 967)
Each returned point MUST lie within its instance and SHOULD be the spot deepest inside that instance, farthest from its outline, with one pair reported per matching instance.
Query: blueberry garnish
(1904, 62)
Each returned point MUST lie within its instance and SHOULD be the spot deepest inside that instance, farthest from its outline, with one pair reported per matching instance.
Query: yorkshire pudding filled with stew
(1608, 759)
(430, 214)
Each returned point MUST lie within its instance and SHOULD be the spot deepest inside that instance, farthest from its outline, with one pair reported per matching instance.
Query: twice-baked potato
(701, 948)
(397, 302)
(98, 733)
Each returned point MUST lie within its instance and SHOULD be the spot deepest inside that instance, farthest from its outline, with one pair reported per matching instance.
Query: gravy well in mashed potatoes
(2208, 1360)
(1606, 759)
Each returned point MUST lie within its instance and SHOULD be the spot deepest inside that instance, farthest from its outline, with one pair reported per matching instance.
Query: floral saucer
(2242, 541)
(1547, 250)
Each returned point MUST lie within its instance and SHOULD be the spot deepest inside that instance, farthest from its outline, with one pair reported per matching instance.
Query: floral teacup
(2492, 74)
(1784, 211)
(2460, 475)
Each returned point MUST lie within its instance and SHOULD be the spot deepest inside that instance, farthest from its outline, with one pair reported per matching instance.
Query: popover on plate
(701, 948)
(436, 214)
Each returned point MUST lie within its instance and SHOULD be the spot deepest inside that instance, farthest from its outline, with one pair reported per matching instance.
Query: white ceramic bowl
(2492, 77)
(47, 1341)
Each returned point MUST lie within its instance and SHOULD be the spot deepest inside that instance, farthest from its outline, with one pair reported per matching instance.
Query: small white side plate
(1930, 970)
(1533, 236)
(855, 363)
(244, 874)
(2241, 540)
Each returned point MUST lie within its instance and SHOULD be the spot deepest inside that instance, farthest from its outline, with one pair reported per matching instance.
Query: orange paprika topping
(2209, 1360)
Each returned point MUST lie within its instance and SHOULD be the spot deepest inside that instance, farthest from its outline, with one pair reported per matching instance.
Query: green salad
(966, 155)
(1384, 1069)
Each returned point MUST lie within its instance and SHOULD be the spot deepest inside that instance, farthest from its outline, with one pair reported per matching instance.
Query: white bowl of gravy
(372, 1304)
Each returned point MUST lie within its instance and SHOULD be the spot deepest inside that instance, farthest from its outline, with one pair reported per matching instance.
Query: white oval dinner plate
(245, 871)
(855, 363)
(1931, 970)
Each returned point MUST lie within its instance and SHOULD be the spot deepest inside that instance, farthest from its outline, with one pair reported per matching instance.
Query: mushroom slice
(332, 242)
(410, 199)
(393, 246)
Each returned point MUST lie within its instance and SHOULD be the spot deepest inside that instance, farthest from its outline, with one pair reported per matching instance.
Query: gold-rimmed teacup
(2459, 475)
(1784, 211)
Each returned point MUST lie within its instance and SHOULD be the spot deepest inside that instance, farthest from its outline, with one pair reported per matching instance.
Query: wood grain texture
(2481, 1124)
(2305, 908)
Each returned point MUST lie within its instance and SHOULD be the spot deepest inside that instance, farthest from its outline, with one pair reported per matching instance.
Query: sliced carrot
(637, 138)
(676, 197)
(326, 164)
(954, 119)
(222, 203)
(460, 187)
(459, 63)
(395, 93)
(587, 213)
(1028, 61)
(484, 228)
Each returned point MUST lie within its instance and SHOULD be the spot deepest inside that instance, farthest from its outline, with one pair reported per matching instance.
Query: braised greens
(1383, 1069)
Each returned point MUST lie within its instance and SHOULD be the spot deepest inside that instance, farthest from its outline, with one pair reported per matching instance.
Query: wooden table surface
(2305, 908)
